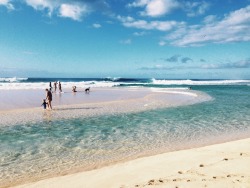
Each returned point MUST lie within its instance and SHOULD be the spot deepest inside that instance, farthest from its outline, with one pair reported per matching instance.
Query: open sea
(37, 150)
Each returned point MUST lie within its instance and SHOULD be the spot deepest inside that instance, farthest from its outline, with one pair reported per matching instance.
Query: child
(44, 104)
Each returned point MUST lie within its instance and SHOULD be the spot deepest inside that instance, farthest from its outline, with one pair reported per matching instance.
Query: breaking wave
(42, 83)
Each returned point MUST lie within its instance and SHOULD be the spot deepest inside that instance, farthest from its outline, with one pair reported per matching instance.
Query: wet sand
(32, 98)
(22, 106)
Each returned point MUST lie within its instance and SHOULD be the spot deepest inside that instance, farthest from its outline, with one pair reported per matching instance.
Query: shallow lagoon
(49, 148)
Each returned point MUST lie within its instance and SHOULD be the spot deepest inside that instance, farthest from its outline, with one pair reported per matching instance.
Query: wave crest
(12, 79)
(199, 82)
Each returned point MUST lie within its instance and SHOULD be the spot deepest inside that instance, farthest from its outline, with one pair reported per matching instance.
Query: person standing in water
(60, 86)
(55, 86)
(49, 98)
(50, 87)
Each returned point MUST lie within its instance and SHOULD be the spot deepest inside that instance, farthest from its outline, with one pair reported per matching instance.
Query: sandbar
(22, 106)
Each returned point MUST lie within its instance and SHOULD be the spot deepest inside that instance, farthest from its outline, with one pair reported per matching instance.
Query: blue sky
(125, 38)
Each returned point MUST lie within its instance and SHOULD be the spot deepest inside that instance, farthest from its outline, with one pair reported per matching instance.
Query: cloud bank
(153, 15)
(234, 27)
(241, 64)
(229, 65)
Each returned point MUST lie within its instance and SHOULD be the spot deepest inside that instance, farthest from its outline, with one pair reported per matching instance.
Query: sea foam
(12, 79)
(65, 85)
(16, 83)
(199, 82)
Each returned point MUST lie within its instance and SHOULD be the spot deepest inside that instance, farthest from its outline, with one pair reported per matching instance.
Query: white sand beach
(222, 166)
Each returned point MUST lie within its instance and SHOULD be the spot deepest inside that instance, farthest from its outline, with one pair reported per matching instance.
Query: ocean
(41, 83)
(44, 149)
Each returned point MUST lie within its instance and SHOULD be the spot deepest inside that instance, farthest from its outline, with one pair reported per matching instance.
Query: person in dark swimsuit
(55, 86)
(60, 86)
(50, 86)
(49, 98)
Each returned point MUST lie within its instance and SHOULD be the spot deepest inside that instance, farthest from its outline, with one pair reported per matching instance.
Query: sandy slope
(222, 165)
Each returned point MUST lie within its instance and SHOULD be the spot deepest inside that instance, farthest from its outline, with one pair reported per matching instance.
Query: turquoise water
(37, 150)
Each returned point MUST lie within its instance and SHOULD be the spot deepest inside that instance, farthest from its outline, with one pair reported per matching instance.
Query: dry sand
(221, 165)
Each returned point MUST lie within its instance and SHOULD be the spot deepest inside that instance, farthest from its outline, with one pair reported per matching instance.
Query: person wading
(49, 98)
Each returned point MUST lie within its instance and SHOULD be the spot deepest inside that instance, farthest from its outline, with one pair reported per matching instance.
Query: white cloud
(43, 5)
(234, 27)
(209, 19)
(96, 25)
(74, 12)
(4, 2)
(7, 4)
(155, 8)
(73, 9)
(196, 8)
(125, 19)
(152, 25)
(139, 3)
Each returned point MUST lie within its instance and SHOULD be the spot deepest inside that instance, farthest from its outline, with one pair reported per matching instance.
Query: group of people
(47, 101)
(55, 86)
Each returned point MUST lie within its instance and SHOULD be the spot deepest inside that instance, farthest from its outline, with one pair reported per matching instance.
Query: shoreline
(219, 165)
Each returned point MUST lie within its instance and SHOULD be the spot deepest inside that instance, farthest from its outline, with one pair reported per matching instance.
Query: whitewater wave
(199, 82)
(127, 80)
(65, 85)
(43, 83)
(12, 79)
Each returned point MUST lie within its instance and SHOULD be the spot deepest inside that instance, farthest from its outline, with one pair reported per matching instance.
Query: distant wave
(42, 83)
(199, 82)
(119, 79)
(12, 79)
(65, 85)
